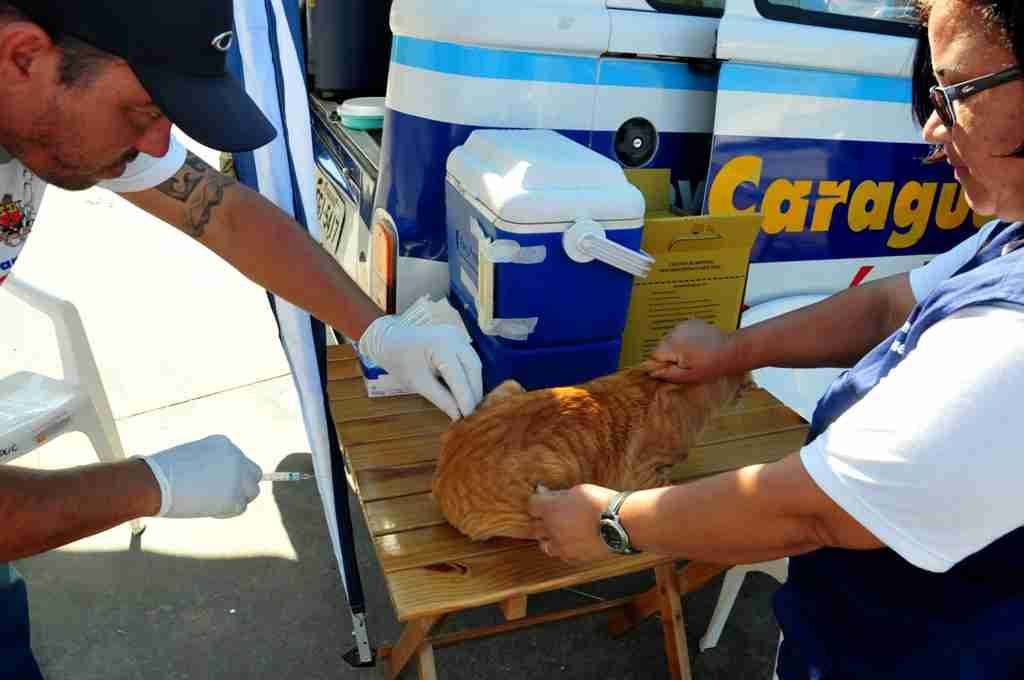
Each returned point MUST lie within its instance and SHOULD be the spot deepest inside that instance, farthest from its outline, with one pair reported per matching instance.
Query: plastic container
(543, 238)
(538, 367)
(363, 113)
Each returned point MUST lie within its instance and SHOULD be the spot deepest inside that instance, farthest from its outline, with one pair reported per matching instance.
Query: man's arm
(42, 510)
(753, 514)
(209, 477)
(261, 241)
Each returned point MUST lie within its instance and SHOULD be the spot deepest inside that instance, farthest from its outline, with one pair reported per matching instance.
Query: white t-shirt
(930, 461)
(21, 192)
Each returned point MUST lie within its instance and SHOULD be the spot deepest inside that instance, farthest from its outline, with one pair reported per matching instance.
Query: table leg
(413, 638)
(514, 608)
(692, 577)
(425, 660)
(672, 622)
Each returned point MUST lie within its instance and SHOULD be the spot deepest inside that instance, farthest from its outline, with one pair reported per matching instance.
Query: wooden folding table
(431, 570)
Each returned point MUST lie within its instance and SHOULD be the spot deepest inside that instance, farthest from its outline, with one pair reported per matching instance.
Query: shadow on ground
(137, 614)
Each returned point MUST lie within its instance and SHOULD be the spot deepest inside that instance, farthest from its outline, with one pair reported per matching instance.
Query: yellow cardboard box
(700, 269)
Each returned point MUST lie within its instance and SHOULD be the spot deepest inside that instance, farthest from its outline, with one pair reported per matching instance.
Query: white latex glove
(419, 355)
(206, 478)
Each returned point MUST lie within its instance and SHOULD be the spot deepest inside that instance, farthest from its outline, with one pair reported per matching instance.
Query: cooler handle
(585, 241)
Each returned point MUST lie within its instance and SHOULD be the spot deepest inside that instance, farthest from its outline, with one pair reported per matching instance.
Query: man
(89, 94)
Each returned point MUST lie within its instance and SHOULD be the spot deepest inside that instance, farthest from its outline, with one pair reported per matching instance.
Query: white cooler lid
(540, 176)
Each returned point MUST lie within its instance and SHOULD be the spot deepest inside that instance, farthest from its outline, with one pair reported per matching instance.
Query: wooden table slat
(439, 543)
(392, 427)
(393, 453)
(345, 389)
(709, 459)
(347, 410)
(340, 352)
(382, 483)
(744, 424)
(402, 514)
(346, 368)
(488, 579)
(751, 400)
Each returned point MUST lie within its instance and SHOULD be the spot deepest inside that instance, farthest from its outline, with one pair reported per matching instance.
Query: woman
(902, 512)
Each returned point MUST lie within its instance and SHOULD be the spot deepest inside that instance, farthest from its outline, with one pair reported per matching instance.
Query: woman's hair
(1003, 18)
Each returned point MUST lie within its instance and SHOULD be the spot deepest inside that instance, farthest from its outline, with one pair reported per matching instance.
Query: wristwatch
(611, 529)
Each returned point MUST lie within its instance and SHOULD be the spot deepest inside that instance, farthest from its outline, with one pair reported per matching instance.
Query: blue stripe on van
(655, 74)
(779, 80)
(482, 62)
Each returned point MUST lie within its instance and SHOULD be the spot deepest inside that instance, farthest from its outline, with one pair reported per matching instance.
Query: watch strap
(615, 504)
(611, 514)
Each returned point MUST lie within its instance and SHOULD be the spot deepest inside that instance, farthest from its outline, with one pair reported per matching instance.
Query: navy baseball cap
(178, 51)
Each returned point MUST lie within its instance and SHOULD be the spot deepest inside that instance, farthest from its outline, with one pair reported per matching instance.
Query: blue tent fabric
(267, 58)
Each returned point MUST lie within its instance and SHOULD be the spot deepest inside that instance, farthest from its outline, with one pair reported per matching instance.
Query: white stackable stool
(777, 569)
(35, 408)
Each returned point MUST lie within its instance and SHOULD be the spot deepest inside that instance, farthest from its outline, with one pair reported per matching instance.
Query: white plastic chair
(35, 408)
(777, 569)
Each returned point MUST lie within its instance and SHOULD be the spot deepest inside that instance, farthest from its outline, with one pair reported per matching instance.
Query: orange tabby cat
(621, 431)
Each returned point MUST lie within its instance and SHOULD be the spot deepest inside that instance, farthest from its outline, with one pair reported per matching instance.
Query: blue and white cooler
(543, 246)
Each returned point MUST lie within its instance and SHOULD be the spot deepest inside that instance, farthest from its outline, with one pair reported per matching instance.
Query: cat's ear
(650, 365)
(507, 389)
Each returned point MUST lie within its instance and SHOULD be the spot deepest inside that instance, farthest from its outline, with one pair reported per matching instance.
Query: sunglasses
(942, 98)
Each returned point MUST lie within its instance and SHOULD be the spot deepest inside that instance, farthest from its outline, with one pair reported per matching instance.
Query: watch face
(612, 538)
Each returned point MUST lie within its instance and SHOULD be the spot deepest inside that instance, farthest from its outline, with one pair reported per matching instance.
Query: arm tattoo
(200, 188)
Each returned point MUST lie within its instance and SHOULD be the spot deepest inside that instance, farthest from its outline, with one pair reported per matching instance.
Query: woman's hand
(566, 522)
(697, 351)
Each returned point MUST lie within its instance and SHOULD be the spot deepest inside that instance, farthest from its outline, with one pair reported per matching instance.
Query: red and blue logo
(15, 225)
(15, 222)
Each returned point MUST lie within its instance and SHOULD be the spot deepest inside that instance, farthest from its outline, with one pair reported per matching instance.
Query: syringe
(286, 476)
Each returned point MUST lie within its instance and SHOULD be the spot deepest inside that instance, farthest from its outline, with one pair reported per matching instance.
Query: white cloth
(929, 461)
(21, 193)
(145, 172)
(257, 32)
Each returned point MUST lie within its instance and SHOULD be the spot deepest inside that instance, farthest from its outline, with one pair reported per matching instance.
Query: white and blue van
(798, 109)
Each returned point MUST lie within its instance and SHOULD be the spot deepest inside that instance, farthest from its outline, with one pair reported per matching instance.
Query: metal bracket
(351, 657)
(362, 655)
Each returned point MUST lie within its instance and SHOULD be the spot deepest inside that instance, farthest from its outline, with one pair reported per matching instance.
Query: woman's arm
(753, 514)
(837, 331)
